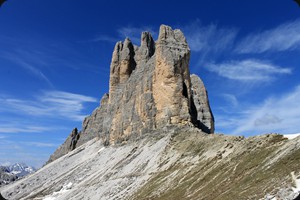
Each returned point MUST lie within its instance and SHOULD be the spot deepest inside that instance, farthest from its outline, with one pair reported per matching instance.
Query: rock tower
(150, 87)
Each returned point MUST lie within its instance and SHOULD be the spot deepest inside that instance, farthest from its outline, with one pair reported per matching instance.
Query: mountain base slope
(170, 163)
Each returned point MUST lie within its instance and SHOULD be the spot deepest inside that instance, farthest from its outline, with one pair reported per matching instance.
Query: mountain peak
(10, 173)
(150, 87)
(166, 33)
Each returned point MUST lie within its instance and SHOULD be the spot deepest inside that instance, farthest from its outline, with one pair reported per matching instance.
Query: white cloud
(40, 144)
(8, 145)
(38, 57)
(35, 159)
(267, 119)
(65, 97)
(13, 151)
(248, 70)
(13, 128)
(131, 32)
(49, 104)
(279, 114)
(31, 68)
(38, 73)
(282, 38)
(209, 38)
(231, 99)
(104, 38)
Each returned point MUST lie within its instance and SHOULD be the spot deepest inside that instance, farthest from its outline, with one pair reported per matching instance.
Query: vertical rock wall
(150, 87)
(171, 81)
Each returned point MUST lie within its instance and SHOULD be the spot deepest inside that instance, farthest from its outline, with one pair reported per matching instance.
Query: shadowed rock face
(150, 87)
(69, 145)
(204, 117)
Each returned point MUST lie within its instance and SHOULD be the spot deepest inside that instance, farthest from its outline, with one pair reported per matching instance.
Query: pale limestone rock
(205, 118)
(95, 124)
(150, 87)
(147, 48)
(171, 81)
(122, 65)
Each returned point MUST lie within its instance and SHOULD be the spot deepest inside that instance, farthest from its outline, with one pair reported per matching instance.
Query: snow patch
(291, 136)
(15, 172)
(63, 190)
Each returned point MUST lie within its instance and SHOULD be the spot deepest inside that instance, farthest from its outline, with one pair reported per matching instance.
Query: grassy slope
(243, 173)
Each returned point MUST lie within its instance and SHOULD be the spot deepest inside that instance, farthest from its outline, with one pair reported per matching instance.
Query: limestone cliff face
(150, 87)
(171, 81)
(205, 118)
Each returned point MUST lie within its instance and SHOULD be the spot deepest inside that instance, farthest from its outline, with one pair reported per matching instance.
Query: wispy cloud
(65, 97)
(282, 38)
(212, 39)
(42, 56)
(2, 137)
(66, 104)
(104, 38)
(209, 41)
(32, 152)
(231, 99)
(50, 104)
(213, 43)
(34, 71)
(133, 33)
(248, 70)
(279, 114)
(9, 145)
(13, 128)
(209, 38)
(40, 144)
(30, 67)
(35, 159)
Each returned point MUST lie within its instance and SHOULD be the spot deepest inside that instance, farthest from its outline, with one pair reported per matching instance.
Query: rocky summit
(150, 87)
(151, 138)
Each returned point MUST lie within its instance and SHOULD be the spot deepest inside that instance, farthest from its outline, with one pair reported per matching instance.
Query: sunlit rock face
(150, 87)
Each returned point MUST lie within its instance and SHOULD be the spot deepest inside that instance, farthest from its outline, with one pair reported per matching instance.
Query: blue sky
(55, 57)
